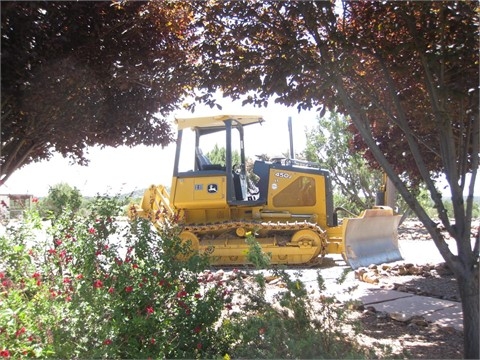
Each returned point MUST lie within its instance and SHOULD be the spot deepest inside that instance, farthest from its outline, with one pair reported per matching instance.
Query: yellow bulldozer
(289, 209)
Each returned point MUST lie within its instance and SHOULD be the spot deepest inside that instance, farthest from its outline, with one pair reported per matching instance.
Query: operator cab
(226, 132)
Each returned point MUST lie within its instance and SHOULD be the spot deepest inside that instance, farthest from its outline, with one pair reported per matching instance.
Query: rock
(270, 278)
(370, 278)
(274, 281)
(419, 321)
(399, 316)
(359, 273)
(386, 267)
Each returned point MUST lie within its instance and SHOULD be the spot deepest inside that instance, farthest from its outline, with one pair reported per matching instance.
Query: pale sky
(123, 169)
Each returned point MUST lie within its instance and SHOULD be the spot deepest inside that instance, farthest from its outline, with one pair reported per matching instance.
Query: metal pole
(290, 133)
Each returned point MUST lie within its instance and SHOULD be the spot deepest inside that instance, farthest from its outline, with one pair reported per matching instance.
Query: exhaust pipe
(290, 134)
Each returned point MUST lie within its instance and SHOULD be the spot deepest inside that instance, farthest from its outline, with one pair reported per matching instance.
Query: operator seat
(204, 163)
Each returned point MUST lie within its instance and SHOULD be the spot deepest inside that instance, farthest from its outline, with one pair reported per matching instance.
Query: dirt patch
(412, 340)
(416, 338)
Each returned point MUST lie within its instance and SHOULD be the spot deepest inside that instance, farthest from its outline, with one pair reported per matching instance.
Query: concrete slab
(374, 296)
(406, 307)
(450, 316)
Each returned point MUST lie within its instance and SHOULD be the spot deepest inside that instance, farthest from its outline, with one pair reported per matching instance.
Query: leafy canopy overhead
(77, 74)
(383, 55)
(416, 71)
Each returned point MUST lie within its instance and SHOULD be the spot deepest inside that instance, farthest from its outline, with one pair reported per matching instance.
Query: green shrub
(291, 325)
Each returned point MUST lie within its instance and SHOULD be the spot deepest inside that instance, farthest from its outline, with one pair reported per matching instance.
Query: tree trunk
(469, 288)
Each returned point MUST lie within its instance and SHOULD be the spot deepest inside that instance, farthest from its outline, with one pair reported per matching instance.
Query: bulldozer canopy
(217, 122)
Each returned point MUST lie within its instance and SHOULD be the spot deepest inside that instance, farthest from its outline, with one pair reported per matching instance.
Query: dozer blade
(371, 238)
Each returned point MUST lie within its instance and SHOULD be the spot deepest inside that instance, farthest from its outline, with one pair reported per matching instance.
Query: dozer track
(285, 242)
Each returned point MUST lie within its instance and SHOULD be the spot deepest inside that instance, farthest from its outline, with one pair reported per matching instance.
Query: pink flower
(20, 331)
(197, 329)
(36, 275)
(107, 342)
(67, 280)
(4, 353)
(128, 289)
(92, 231)
(198, 296)
(97, 284)
(149, 310)
(181, 294)
(79, 276)
(111, 290)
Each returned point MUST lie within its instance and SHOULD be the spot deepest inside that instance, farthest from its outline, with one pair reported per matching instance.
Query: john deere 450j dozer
(290, 210)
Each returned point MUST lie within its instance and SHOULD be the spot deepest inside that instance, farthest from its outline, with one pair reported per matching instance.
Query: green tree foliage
(77, 74)
(60, 198)
(329, 145)
(218, 156)
(405, 73)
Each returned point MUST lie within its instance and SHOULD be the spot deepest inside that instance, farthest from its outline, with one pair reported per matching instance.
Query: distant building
(14, 205)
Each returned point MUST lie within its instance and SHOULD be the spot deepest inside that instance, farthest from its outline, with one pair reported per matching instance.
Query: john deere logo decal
(212, 188)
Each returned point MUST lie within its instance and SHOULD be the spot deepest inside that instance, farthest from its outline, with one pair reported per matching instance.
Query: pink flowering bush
(99, 287)
(29, 307)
